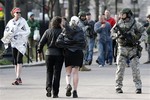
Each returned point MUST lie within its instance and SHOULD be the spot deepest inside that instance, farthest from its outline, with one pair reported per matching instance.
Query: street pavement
(98, 84)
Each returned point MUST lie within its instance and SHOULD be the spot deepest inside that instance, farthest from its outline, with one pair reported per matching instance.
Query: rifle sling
(128, 29)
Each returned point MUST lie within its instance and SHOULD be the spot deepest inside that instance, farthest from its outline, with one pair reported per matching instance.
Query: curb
(34, 64)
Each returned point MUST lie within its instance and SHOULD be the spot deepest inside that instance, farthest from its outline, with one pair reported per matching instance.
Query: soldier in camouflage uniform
(128, 32)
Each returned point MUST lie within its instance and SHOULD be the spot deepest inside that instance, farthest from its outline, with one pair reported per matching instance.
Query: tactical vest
(128, 35)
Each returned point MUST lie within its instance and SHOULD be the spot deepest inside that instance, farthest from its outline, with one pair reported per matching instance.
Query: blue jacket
(103, 33)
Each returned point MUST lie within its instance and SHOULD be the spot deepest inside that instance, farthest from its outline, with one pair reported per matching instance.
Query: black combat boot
(119, 90)
(48, 94)
(138, 91)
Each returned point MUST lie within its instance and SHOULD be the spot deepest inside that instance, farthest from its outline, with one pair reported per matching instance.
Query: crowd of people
(73, 42)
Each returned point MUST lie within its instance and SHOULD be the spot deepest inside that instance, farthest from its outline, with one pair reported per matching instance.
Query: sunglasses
(18, 12)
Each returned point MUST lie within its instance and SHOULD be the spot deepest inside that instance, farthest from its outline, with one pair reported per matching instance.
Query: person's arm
(84, 27)
(140, 32)
(97, 27)
(38, 25)
(42, 41)
(8, 34)
(114, 32)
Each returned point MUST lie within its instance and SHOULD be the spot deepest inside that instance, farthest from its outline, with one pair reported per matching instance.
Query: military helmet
(88, 13)
(81, 13)
(127, 11)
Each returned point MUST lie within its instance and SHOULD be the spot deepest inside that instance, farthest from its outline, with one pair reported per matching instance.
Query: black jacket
(49, 37)
(72, 38)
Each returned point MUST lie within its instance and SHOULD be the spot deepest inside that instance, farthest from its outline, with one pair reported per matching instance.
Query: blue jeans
(91, 44)
(110, 52)
(103, 51)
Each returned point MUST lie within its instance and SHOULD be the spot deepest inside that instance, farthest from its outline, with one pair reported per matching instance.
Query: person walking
(54, 57)
(102, 28)
(16, 33)
(34, 25)
(148, 40)
(73, 41)
(128, 32)
(111, 43)
(91, 37)
(83, 24)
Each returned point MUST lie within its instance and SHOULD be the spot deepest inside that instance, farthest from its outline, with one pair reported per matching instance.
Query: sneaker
(119, 90)
(107, 61)
(48, 94)
(83, 68)
(15, 83)
(55, 96)
(19, 80)
(97, 62)
(75, 94)
(101, 66)
(69, 88)
(138, 91)
(88, 62)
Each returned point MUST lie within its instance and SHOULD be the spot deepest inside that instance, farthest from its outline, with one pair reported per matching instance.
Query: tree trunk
(70, 9)
(76, 7)
(97, 9)
(57, 9)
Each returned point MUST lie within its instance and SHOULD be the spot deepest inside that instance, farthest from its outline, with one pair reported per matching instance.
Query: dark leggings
(17, 56)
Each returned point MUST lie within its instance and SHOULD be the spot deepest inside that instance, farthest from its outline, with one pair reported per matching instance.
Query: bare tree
(51, 4)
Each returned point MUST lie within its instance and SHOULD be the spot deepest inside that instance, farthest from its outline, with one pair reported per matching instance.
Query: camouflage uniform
(128, 51)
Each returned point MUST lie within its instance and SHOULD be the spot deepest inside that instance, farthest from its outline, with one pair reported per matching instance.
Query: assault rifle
(127, 37)
(124, 34)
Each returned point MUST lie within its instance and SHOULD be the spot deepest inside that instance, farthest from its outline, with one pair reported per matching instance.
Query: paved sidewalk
(34, 63)
(98, 84)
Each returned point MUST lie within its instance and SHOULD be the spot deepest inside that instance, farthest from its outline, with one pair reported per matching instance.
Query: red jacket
(111, 21)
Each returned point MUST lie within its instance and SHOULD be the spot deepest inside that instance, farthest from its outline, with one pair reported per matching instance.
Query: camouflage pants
(124, 54)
